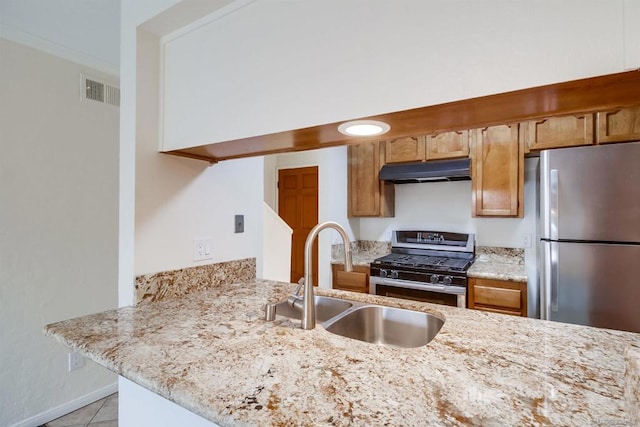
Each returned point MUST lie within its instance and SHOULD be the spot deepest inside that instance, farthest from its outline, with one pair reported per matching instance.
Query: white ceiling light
(364, 128)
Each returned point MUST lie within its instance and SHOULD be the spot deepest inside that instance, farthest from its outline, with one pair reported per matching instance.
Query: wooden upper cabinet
(409, 149)
(367, 195)
(497, 171)
(447, 145)
(618, 126)
(444, 145)
(555, 132)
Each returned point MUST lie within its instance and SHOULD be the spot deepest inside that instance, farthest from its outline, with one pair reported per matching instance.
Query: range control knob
(434, 278)
(447, 280)
(383, 273)
(394, 274)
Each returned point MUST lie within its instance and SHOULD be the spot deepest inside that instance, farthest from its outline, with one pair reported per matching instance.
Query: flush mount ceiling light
(364, 128)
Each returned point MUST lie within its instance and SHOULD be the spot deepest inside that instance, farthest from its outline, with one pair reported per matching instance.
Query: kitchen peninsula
(212, 352)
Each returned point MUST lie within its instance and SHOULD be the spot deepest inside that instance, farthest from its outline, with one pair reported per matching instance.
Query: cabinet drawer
(351, 280)
(354, 281)
(501, 297)
(497, 296)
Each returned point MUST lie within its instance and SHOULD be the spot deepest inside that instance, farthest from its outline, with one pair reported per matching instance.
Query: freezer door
(591, 193)
(592, 284)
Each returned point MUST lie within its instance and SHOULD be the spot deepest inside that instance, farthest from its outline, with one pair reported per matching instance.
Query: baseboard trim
(65, 408)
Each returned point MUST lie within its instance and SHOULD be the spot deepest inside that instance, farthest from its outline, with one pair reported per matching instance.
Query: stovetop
(427, 252)
(429, 262)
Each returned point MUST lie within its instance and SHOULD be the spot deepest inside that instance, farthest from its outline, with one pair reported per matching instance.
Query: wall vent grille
(100, 91)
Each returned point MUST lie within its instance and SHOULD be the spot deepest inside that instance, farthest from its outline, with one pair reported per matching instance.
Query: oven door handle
(458, 290)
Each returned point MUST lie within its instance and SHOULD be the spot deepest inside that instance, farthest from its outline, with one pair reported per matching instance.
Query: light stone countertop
(499, 264)
(212, 353)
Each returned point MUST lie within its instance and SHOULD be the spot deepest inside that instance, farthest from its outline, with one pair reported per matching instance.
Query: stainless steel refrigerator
(590, 235)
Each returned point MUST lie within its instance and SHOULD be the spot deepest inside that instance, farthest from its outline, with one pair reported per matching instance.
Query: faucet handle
(299, 287)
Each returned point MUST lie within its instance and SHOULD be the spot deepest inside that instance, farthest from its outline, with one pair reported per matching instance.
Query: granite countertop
(499, 264)
(212, 353)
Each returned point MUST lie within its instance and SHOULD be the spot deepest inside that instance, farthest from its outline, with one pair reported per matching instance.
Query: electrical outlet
(526, 240)
(76, 361)
(202, 248)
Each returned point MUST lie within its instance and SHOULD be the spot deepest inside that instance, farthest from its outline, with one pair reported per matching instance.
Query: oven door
(455, 296)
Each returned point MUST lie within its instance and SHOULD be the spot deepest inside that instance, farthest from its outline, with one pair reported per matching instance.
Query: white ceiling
(83, 31)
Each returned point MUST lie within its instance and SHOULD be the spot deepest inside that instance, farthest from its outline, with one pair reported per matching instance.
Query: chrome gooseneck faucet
(306, 302)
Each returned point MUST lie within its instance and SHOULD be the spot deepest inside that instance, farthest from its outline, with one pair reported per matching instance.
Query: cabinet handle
(553, 204)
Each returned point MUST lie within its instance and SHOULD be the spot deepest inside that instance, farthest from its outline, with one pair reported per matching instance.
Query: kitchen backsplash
(500, 255)
(175, 283)
(363, 247)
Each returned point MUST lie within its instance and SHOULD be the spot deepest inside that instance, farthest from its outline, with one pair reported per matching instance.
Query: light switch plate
(239, 223)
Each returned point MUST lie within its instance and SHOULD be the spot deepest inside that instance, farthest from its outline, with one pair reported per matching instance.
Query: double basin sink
(370, 323)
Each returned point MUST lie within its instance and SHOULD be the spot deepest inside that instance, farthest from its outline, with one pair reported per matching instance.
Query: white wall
(278, 65)
(133, 14)
(58, 227)
(86, 33)
(631, 14)
(178, 199)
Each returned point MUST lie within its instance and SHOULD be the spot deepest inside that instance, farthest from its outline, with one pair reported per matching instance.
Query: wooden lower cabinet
(354, 281)
(497, 296)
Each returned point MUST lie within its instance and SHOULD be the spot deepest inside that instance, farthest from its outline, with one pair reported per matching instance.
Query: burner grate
(425, 261)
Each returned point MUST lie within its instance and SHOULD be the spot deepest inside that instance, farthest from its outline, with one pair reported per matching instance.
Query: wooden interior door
(298, 207)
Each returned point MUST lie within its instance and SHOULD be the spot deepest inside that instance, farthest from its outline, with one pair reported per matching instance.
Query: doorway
(298, 207)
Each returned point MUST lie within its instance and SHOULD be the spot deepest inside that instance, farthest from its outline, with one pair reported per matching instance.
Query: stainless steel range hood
(431, 171)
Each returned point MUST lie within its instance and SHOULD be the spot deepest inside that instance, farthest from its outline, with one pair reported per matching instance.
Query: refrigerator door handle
(554, 276)
(553, 204)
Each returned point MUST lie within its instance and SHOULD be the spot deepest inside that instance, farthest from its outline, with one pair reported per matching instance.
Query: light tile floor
(103, 413)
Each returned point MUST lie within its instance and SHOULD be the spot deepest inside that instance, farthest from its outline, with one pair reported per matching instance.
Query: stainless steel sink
(370, 323)
(386, 325)
(326, 308)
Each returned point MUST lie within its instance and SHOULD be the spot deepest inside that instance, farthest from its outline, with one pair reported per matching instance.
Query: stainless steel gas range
(426, 266)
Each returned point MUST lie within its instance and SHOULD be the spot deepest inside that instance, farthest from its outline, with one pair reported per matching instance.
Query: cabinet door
(619, 126)
(498, 296)
(367, 195)
(555, 132)
(497, 172)
(409, 149)
(447, 145)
